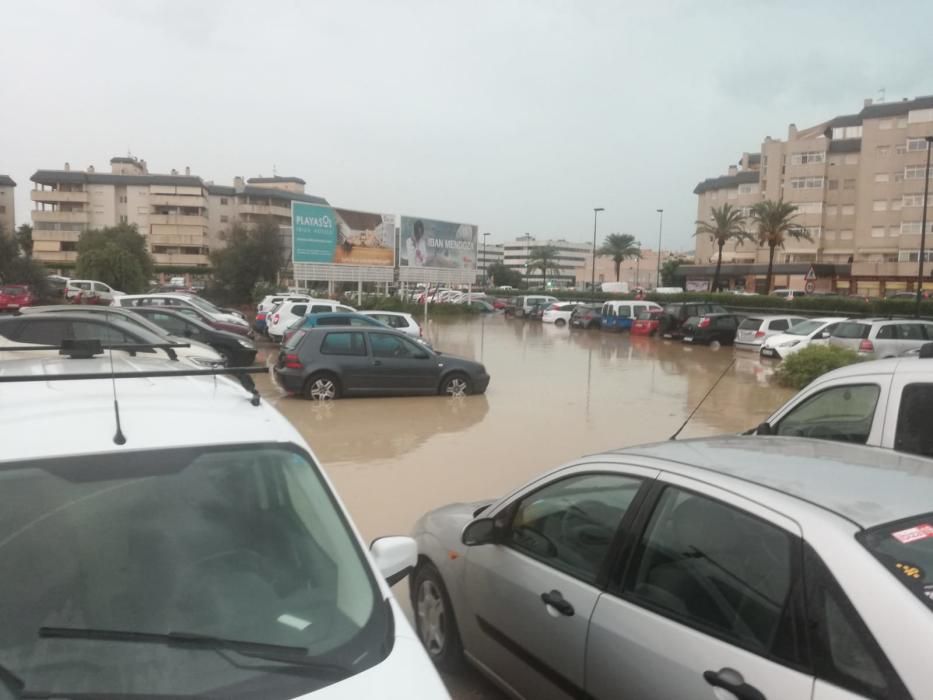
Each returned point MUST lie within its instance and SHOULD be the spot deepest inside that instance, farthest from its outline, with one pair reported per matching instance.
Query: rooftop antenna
(881, 93)
(705, 396)
(118, 437)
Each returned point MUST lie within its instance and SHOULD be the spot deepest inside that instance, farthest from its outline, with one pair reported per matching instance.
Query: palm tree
(774, 221)
(726, 224)
(619, 247)
(544, 258)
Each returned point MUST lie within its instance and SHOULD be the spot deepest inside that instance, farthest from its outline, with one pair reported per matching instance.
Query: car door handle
(557, 601)
(731, 680)
(377, 362)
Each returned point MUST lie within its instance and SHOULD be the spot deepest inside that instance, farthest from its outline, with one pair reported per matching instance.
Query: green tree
(252, 255)
(774, 223)
(544, 258)
(670, 274)
(24, 239)
(502, 276)
(116, 255)
(619, 247)
(726, 224)
(16, 268)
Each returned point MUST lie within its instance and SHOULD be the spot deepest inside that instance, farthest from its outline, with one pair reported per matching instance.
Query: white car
(735, 568)
(756, 328)
(559, 313)
(814, 331)
(179, 299)
(178, 538)
(282, 316)
(270, 300)
(90, 289)
(398, 320)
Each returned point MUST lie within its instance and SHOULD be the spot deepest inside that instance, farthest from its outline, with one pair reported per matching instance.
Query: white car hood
(776, 340)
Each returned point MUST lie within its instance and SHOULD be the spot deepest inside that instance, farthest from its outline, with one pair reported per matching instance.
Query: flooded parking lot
(555, 395)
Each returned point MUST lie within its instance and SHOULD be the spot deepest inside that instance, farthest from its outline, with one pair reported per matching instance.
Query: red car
(15, 296)
(499, 304)
(647, 322)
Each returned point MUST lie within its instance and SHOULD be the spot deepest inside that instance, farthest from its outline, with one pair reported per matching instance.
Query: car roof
(866, 485)
(58, 315)
(319, 330)
(335, 314)
(193, 410)
(174, 295)
(141, 311)
(369, 312)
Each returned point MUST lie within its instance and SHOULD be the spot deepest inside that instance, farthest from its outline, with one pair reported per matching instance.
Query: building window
(746, 189)
(913, 227)
(885, 124)
(877, 231)
(845, 235)
(848, 210)
(881, 177)
(831, 210)
(807, 157)
(224, 219)
(122, 218)
(851, 159)
(223, 201)
(879, 205)
(900, 149)
(912, 200)
(916, 144)
(809, 207)
(122, 199)
(832, 184)
(806, 183)
(915, 172)
(813, 232)
(848, 184)
(918, 116)
(847, 132)
(829, 236)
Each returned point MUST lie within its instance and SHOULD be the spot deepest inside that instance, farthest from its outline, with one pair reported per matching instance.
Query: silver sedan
(738, 568)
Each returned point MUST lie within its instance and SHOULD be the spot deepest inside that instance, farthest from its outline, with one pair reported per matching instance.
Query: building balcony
(180, 259)
(178, 200)
(884, 269)
(178, 239)
(39, 234)
(58, 196)
(55, 256)
(62, 217)
(264, 210)
(178, 219)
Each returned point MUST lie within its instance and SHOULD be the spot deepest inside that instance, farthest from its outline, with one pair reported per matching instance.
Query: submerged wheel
(322, 387)
(456, 384)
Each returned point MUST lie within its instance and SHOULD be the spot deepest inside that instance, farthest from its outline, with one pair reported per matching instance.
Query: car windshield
(905, 548)
(241, 542)
(805, 327)
(851, 330)
(204, 305)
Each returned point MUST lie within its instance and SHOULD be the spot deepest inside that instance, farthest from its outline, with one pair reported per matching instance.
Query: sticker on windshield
(910, 570)
(912, 534)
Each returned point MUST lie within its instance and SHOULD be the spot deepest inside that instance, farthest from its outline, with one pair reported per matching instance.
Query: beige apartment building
(7, 209)
(857, 181)
(182, 217)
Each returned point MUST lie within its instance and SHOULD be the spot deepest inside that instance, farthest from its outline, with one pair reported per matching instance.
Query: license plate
(668, 335)
(688, 338)
(768, 352)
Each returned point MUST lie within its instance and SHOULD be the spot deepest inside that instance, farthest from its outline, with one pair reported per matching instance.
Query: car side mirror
(823, 335)
(395, 557)
(763, 429)
(480, 531)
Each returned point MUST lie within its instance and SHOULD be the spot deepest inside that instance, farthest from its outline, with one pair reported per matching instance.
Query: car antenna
(118, 437)
(705, 396)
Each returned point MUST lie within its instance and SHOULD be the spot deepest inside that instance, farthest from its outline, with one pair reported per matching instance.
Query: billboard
(436, 244)
(323, 234)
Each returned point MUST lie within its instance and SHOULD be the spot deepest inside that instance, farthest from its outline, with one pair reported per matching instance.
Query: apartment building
(857, 181)
(7, 209)
(637, 272)
(486, 256)
(182, 217)
(570, 257)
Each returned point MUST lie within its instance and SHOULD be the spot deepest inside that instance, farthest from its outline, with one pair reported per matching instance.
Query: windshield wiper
(293, 655)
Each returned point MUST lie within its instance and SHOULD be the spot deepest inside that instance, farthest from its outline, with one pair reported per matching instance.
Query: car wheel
(456, 384)
(560, 322)
(434, 618)
(322, 386)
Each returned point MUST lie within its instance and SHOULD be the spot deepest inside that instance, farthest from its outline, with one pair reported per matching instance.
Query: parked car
(788, 293)
(537, 308)
(57, 286)
(755, 330)
(198, 353)
(325, 363)
(90, 292)
(336, 318)
(647, 322)
(689, 569)
(283, 315)
(52, 328)
(500, 303)
(703, 330)
(814, 331)
(878, 338)
(521, 306)
(236, 350)
(676, 313)
(192, 305)
(207, 540)
(398, 320)
(268, 302)
(13, 297)
(586, 316)
(559, 313)
(480, 305)
(619, 315)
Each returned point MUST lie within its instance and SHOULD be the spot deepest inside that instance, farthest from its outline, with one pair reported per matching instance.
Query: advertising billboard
(427, 243)
(323, 234)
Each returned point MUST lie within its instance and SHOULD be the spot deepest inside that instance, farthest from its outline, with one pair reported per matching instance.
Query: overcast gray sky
(518, 116)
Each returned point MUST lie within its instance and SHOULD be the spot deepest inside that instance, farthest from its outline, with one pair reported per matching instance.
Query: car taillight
(704, 323)
(866, 346)
(759, 334)
(292, 361)
(275, 319)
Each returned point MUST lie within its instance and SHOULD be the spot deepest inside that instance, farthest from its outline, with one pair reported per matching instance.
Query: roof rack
(86, 349)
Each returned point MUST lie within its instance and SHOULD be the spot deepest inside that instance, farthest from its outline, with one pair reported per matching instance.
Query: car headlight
(789, 343)
(245, 344)
(208, 362)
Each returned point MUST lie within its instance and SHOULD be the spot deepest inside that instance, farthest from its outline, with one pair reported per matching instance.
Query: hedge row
(384, 303)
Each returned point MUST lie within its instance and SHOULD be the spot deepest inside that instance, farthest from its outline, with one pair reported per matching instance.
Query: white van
(90, 290)
(619, 315)
(523, 304)
(285, 314)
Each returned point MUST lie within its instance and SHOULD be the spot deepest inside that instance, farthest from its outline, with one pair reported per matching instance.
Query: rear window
(295, 340)
(750, 324)
(851, 330)
(647, 315)
(905, 549)
(300, 309)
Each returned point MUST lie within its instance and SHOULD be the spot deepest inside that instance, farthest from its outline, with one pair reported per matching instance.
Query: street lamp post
(657, 282)
(923, 226)
(637, 263)
(485, 260)
(596, 211)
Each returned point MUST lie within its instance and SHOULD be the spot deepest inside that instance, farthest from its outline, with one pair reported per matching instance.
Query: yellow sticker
(910, 570)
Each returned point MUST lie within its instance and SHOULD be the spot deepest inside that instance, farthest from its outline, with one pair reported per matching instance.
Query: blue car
(334, 318)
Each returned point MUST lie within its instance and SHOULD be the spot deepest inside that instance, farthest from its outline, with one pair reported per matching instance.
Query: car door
(909, 336)
(401, 366)
(706, 606)
(103, 291)
(530, 596)
(907, 423)
(345, 353)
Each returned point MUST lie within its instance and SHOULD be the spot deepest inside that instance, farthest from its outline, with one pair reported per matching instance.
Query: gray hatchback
(881, 337)
(327, 363)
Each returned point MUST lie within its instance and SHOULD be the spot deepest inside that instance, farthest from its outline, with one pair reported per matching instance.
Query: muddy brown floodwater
(555, 395)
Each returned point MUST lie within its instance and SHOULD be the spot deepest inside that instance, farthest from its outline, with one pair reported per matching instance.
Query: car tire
(434, 618)
(321, 386)
(456, 384)
(560, 322)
